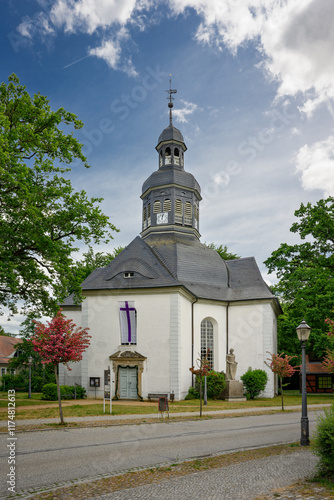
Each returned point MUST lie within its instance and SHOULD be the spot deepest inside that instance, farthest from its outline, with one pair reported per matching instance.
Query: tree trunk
(281, 378)
(59, 397)
(200, 396)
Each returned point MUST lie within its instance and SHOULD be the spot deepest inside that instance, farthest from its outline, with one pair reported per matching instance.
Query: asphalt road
(45, 458)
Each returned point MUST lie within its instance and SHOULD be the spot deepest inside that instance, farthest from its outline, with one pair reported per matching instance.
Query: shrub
(324, 443)
(81, 392)
(192, 393)
(37, 383)
(66, 392)
(254, 381)
(17, 382)
(215, 384)
(49, 392)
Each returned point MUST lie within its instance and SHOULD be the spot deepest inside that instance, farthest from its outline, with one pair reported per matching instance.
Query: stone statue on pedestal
(234, 389)
(231, 366)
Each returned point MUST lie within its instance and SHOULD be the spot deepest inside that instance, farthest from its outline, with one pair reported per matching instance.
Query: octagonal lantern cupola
(171, 195)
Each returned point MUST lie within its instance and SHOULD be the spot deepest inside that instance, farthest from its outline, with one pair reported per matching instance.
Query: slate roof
(170, 133)
(178, 260)
(171, 175)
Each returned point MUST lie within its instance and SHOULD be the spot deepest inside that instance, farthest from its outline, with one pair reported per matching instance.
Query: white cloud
(88, 15)
(295, 39)
(38, 25)
(316, 164)
(110, 51)
(181, 114)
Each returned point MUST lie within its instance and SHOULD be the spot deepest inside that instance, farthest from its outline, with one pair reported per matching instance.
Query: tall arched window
(178, 211)
(168, 156)
(167, 206)
(176, 156)
(188, 213)
(207, 341)
(148, 214)
(157, 207)
(144, 218)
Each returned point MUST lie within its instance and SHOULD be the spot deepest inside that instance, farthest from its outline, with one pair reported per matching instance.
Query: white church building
(167, 298)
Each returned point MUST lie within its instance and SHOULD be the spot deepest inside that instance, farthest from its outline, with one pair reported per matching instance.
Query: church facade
(167, 298)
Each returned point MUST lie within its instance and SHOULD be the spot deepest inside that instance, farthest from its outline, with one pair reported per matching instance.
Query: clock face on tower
(162, 218)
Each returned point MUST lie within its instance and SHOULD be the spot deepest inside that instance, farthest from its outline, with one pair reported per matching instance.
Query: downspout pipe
(192, 340)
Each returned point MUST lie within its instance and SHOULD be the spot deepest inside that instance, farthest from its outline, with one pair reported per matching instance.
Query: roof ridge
(161, 260)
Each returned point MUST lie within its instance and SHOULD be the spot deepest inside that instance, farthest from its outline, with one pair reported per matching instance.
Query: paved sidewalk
(243, 481)
(110, 418)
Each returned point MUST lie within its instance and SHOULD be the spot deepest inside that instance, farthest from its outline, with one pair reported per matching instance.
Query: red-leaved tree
(280, 365)
(328, 362)
(202, 370)
(60, 341)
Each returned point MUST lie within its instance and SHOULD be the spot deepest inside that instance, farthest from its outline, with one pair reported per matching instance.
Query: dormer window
(128, 274)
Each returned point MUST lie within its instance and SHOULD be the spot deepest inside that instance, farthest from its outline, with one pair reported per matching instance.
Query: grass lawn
(80, 408)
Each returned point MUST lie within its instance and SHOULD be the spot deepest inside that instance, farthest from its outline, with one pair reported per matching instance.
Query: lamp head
(30, 360)
(303, 331)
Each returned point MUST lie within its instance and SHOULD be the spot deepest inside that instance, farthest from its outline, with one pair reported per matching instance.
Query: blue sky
(255, 88)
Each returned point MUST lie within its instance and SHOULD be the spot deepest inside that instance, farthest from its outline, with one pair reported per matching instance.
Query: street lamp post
(205, 392)
(303, 332)
(29, 361)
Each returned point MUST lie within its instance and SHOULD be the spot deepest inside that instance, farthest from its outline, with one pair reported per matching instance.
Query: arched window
(188, 211)
(207, 341)
(176, 156)
(157, 207)
(144, 218)
(178, 211)
(148, 214)
(168, 156)
(167, 207)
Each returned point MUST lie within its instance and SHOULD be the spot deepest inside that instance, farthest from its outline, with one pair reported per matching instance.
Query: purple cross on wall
(127, 309)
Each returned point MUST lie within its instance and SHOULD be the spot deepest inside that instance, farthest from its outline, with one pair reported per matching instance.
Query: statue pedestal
(234, 391)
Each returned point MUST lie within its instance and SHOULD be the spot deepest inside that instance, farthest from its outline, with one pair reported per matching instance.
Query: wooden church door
(128, 383)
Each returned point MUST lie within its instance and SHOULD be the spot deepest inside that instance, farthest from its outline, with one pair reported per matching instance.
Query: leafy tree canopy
(223, 252)
(81, 269)
(305, 272)
(42, 217)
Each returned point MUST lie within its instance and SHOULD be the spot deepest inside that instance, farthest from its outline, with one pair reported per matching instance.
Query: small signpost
(107, 390)
(163, 406)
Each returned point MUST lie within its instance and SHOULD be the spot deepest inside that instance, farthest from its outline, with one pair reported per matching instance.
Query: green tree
(81, 269)
(203, 368)
(61, 341)
(42, 217)
(280, 365)
(222, 250)
(4, 334)
(305, 272)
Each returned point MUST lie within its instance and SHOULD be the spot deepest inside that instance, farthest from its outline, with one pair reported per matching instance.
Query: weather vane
(170, 91)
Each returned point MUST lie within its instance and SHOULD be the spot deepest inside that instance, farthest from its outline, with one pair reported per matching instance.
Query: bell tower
(171, 195)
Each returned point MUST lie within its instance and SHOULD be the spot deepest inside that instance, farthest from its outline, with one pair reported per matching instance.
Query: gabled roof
(177, 260)
(7, 348)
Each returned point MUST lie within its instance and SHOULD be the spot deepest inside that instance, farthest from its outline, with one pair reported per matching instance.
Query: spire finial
(170, 104)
